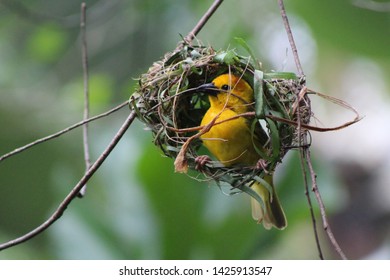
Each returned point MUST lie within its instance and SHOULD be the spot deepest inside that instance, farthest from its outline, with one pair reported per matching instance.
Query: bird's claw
(201, 161)
(262, 165)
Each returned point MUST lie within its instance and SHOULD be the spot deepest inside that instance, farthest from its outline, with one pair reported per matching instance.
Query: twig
(68, 199)
(203, 21)
(76, 190)
(305, 156)
(86, 90)
(303, 146)
(307, 194)
(325, 223)
(59, 133)
(290, 37)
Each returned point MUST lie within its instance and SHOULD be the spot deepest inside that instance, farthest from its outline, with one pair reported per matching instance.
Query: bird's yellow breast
(230, 141)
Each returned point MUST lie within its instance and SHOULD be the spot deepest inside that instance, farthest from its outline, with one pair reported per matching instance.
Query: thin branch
(86, 90)
(59, 133)
(75, 191)
(302, 142)
(307, 194)
(203, 21)
(325, 223)
(290, 37)
(305, 156)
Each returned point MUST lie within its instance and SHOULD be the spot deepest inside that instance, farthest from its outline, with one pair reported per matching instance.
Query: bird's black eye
(225, 87)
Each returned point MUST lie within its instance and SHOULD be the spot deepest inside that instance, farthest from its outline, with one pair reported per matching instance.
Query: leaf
(244, 44)
(258, 93)
(280, 75)
(264, 183)
(174, 58)
(248, 190)
(228, 57)
(275, 139)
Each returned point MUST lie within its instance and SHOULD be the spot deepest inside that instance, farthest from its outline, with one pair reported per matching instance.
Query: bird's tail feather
(272, 215)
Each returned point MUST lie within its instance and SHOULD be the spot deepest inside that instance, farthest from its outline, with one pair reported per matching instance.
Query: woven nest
(168, 103)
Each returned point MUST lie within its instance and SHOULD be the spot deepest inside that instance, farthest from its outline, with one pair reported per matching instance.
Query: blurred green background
(136, 206)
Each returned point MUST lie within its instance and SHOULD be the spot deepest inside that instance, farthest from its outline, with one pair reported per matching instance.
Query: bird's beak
(208, 88)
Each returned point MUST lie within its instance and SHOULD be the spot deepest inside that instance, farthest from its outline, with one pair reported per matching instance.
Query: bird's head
(230, 91)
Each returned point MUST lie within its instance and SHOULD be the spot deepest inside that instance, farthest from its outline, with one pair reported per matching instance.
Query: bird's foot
(262, 165)
(201, 161)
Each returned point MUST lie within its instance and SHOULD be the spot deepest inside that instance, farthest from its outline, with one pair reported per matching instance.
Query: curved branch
(75, 191)
(59, 133)
(203, 21)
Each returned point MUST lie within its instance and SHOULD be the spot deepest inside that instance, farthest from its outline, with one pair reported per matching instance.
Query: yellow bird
(231, 141)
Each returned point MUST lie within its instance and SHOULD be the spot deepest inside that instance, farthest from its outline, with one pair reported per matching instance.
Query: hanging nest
(168, 103)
